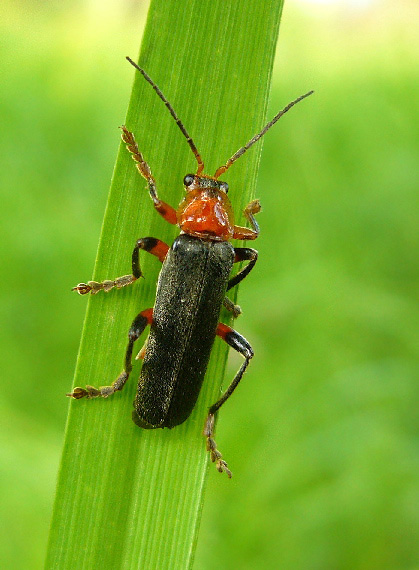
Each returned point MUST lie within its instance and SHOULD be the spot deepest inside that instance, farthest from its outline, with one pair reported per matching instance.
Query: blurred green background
(322, 431)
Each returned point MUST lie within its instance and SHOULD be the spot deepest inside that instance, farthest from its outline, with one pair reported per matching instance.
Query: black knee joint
(239, 343)
(137, 328)
(147, 243)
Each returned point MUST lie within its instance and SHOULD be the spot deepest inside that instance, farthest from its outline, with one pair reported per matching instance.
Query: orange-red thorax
(206, 211)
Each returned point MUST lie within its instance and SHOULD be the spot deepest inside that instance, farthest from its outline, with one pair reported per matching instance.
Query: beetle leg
(141, 353)
(230, 306)
(239, 343)
(139, 324)
(150, 244)
(165, 210)
(243, 254)
(246, 233)
(154, 246)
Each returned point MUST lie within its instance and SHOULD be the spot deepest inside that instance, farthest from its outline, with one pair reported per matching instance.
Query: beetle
(192, 284)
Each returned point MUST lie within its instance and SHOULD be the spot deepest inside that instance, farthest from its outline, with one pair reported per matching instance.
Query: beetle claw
(77, 393)
(82, 288)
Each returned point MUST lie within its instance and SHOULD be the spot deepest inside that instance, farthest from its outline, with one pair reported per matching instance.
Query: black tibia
(139, 324)
(243, 254)
(150, 244)
(239, 343)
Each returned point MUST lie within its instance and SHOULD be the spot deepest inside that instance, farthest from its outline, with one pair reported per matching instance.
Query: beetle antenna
(172, 112)
(252, 141)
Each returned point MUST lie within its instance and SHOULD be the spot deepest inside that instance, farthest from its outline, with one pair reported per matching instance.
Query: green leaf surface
(126, 497)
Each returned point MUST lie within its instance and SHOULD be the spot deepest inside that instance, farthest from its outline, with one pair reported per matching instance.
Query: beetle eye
(224, 187)
(188, 180)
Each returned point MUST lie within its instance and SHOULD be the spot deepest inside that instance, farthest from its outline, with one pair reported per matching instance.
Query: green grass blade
(131, 498)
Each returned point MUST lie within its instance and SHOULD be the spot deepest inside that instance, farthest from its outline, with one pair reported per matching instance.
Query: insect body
(191, 290)
(190, 293)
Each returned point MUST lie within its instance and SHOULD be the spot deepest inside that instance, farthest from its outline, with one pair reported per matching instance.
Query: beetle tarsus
(94, 287)
(216, 456)
(102, 392)
(252, 208)
(235, 310)
(249, 212)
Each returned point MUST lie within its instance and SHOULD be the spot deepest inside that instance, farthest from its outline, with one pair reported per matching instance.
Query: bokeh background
(322, 431)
